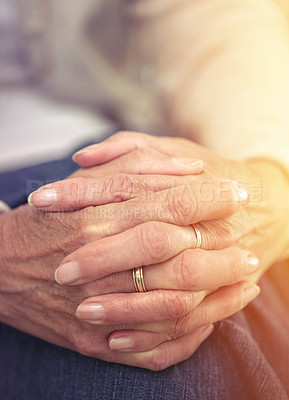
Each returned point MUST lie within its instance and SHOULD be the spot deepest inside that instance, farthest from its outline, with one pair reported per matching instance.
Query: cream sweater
(216, 71)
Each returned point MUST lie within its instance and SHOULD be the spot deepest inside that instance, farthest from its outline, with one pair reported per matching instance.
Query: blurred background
(35, 127)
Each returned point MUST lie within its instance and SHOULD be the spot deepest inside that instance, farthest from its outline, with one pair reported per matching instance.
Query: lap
(235, 362)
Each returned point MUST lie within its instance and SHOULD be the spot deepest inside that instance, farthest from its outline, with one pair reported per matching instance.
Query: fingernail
(250, 293)
(67, 273)
(241, 192)
(78, 153)
(253, 263)
(86, 150)
(42, 198)
(90, 312)
(121, 344)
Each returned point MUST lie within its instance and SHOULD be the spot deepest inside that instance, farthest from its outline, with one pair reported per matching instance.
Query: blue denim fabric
(17, 185)
(229, 365)
(247, 356)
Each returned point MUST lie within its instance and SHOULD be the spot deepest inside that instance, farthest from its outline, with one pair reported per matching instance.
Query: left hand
(265, 179)
(253, 228)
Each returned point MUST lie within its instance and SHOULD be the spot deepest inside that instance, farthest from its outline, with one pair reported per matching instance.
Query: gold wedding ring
(198, 236)
(137, 274)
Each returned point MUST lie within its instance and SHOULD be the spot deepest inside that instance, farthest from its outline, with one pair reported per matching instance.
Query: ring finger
(192, 269)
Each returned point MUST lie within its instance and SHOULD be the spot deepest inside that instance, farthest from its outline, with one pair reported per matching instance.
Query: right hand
(34, 243)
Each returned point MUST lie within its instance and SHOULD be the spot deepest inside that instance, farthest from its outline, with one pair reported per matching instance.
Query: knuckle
(120, 183)
(159, 360)
(200, 317)
(86, 231)
(73, 228)
(176, 305)
(182, 206)
(75, 190)
(82, 347)
(145, 156)
(218, 234)
(182, 326)
(153, 241)
(87, 343)
(80, 342)
(186, 271)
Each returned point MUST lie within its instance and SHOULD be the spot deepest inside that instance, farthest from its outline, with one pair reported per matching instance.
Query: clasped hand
(134, 203)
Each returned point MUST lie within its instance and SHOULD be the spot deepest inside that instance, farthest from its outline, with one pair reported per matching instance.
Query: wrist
(268, 187)
(6, 309)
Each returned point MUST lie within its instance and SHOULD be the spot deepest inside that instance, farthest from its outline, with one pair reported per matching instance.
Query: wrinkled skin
(34, 243)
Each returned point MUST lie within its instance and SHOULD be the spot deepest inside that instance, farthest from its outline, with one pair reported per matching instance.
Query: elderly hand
(226, 266)
(267, 182)
(32, 245)
(252, 228)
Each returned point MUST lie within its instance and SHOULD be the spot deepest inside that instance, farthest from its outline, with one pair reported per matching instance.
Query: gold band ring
(198, 236)
(137, 274)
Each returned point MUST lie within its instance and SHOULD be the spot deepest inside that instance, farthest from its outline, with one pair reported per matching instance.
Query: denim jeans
(246, 357)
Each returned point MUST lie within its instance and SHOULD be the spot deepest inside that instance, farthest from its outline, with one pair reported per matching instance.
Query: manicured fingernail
(253, 263)
(250, 293)
(90, 312)
(42, 198)
(121, 344)
(78, 153)
(67, 273)
(86, 150)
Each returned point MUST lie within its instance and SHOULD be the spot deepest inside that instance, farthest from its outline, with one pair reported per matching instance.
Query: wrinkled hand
(254, 227)
(198, 270)
(32, 245)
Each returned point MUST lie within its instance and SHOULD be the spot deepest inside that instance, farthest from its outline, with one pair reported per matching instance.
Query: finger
(125, 142)
(136, 308)
(215, 307)
(166, 354)
(141, 341)
(196, 269)
(115, 146)
(77, 193)
(178, 194)
(151, 161)
(135, 341)
(78, 267)
(164, 311)
(192, 202)
(145, 244)
(189, 270)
